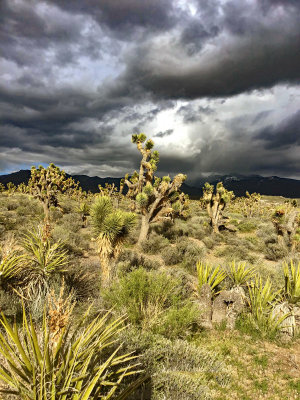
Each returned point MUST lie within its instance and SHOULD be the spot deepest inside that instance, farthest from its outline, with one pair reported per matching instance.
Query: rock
(205, 306)
(228, 305)
(288, 326)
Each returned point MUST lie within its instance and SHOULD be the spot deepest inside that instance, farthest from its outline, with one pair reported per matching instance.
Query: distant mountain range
(272, 186)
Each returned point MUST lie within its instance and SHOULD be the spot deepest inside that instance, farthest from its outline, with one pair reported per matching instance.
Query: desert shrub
(265, 230)
(72, 222)
(152, 299)
(178, 369)
(172, 255)
(75, 242)
(275, 251)
(130, 260)
(191, 253)
(172, 230)
(82, 279)
(12, 205)
(247, 226)
(154, 244)
(209, 242)
(236, 253)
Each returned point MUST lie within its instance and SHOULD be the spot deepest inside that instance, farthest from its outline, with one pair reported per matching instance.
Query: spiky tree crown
(109, 222)
(45, 183)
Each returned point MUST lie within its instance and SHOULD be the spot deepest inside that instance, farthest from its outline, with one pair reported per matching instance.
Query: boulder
(205, 306)
(228, 306)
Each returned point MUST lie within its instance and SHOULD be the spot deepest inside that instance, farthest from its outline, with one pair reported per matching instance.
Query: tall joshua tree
(111, 227)
(156, 198)
(216, 202)
(45, 184)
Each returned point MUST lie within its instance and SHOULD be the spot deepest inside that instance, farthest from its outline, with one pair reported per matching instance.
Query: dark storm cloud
(154, 53)
(251, 52)
(283, 135)
(126, 15)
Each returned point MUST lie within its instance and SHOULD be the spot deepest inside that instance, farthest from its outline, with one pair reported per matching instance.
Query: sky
(215, 84)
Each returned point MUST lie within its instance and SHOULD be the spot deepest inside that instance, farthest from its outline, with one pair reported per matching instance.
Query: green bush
(152, 299)
(179, 370)
(209, 242)
(247, 226)
(275, 251)
(172, 255)
(154, 244)
(191, 253)
(130, 260)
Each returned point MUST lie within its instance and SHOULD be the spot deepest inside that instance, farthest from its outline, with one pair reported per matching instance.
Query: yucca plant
(79, 364)
(292, 282)
(239, 274)
(214, 276)
(111, 226)
(262, 300)
(43, 256)
(10, 266)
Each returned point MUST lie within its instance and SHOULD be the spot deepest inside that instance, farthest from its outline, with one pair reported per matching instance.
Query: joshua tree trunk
(144, 229)
(47, 227)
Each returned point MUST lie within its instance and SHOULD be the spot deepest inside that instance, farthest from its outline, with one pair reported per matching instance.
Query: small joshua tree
(2, 187)
(22, 188)
(216, 202)
(286, 221)
(45, 184)
(112, 227)
(157, 199)
(11, 187)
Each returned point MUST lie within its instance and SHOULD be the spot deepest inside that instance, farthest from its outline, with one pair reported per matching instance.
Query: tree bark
(144, 229)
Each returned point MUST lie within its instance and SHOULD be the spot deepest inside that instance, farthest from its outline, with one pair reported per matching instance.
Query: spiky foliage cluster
(111, 226)
(213, 276)
(78, 364)
(216, 202)
(43, 258)
(292, 282)
(262, 301)
(2, 187)
(10, 266)
(156, 198)
(239, 274)
(46, 183)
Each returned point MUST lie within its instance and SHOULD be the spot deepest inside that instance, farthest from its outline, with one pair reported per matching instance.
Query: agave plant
(292, 282)
(81, 364)
(214, 276)
(239, 274)
(111, 226)
(262, 301)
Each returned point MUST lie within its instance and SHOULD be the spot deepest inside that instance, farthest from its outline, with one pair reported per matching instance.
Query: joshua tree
(2, 187)
(22, 188)
(111, 226)
(216, 202)
(251, 204)
(45, 184)
(156, 198)
(11, 188)
(287, 223)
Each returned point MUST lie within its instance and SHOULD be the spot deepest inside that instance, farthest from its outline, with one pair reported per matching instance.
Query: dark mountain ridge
(272, 186)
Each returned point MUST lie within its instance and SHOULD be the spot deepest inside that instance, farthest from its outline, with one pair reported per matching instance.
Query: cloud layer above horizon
(214, 83)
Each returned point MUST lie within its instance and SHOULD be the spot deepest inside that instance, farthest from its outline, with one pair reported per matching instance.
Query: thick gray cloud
(214, 82)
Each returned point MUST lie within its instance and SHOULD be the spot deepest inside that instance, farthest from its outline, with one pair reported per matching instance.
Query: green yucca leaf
(239, 274)
(292, 282)
(214, 276)
(77, 368)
